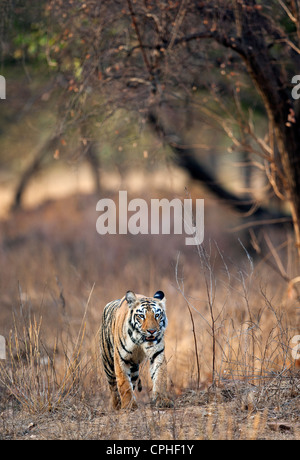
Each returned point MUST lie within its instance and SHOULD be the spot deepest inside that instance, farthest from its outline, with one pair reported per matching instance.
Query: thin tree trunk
(280, 108)
(90, 151)
(50, 145)
(92, 158)
(270, 80)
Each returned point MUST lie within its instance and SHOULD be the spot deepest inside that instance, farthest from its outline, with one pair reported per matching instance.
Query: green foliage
(31, 45)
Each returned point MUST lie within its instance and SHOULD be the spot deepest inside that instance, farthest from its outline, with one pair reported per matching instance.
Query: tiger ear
(131, 298)
(159, 295)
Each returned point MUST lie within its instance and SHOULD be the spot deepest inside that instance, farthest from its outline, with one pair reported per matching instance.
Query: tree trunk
(33, 168)
(92, 158)
(186, 158)
(90, 151)
(271, 83)
(288, 139)
(280, 109)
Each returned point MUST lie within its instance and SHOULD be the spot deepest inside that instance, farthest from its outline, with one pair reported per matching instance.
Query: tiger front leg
(115, 397)
(123, 376)
(158, 372)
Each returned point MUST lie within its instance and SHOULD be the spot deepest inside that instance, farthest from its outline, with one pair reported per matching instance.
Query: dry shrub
(241, 326)
(39, 377)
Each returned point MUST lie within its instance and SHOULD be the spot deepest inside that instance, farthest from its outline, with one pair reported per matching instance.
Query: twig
(139, 37)
(275, 256)
(281, 220)
(192, 321)
(288, 12)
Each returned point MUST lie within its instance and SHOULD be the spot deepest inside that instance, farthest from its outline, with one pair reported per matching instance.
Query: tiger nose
(151, 331)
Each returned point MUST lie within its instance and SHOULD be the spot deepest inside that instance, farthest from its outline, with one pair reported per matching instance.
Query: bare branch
(186, 158)
(288, 11)
(139, 37)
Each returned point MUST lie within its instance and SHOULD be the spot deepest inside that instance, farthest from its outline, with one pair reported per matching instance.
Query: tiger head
(147, 316)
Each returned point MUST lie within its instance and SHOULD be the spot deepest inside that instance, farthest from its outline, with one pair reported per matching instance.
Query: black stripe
(134, 368)
(108, 372)
(124, 348)
(130, 332)
(153, 373)
(126, 361)
(130, 319)
(155, 355)
(140, 385)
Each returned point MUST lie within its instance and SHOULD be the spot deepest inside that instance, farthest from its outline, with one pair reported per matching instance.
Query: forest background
(162, 99)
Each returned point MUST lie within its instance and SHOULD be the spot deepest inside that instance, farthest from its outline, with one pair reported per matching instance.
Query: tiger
(132, 330)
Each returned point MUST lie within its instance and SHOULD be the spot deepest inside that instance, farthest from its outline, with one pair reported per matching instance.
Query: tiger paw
(162, 402)
(131, 405)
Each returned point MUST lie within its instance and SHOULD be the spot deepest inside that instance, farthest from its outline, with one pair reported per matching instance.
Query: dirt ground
(195, 416)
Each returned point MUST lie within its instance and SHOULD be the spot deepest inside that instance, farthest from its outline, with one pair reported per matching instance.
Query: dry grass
(231, 373)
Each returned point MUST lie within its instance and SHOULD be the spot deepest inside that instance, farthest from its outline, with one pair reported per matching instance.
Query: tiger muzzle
(152, 333)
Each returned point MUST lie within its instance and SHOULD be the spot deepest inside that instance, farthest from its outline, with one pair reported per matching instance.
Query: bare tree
(158, 57)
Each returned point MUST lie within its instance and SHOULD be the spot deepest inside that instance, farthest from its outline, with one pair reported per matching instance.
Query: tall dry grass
(228, 341)
(243, 324)
(42, 378)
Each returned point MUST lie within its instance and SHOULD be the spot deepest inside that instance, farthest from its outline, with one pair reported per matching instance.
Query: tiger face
(147, 317)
